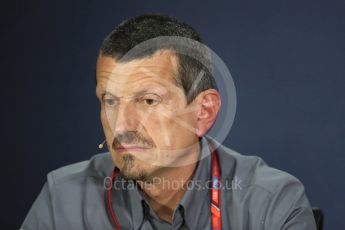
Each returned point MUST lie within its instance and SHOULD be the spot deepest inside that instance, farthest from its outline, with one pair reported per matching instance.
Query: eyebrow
(108, 93)
(136, 94)
(101, 91)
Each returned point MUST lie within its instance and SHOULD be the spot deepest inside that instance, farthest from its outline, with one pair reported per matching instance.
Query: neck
(166, 192)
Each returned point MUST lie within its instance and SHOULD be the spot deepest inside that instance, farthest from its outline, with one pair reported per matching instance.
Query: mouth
(131, 148)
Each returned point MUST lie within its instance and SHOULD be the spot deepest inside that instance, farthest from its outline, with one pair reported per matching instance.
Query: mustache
(132, 138)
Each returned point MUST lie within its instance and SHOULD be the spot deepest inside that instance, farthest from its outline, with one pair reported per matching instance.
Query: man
(165, 173)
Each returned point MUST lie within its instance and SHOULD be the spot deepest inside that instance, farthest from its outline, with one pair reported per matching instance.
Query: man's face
(144, 114)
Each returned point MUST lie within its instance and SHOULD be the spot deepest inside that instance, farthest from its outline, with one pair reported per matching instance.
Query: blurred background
(287, 59)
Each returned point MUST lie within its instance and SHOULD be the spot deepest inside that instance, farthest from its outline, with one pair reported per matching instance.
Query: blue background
(287, 59)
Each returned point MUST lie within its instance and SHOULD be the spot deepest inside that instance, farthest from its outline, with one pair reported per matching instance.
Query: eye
(151, 100)
(109, 100)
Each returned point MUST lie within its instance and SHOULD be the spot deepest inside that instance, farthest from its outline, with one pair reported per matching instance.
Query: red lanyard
(216, 217)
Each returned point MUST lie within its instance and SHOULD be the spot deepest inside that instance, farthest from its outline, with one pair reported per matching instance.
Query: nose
(126, 118)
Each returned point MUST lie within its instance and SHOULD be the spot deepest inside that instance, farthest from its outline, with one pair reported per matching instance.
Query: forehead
(160, 69)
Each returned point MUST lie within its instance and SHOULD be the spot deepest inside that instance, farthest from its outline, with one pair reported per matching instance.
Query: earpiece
(100, 146)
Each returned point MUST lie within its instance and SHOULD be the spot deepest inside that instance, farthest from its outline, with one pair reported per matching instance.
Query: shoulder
(99, 166)
(68, 192)
(264, 195)
(254, 173)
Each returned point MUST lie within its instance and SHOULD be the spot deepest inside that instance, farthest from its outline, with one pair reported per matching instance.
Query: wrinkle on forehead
(158, 69)
(163, 63)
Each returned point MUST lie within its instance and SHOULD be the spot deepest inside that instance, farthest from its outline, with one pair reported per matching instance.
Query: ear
(208, 104)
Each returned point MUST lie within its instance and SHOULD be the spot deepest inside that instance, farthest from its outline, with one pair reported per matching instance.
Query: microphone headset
(101, 145)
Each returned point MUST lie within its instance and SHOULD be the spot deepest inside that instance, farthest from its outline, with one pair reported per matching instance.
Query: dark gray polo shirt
(253, 196)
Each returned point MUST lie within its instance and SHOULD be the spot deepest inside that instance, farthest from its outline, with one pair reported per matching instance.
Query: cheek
(171, 132)
(107, 118)
(106, 127)
(104, 120)
(184, 134)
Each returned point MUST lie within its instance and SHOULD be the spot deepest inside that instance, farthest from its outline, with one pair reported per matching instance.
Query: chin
(133, 174)
(131, 168)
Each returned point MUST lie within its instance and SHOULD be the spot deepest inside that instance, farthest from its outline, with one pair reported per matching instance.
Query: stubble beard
(131, 170)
